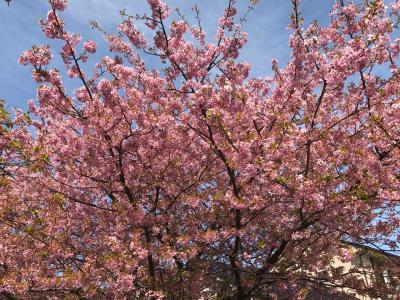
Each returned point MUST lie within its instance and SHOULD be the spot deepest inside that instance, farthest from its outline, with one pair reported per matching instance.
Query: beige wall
(361, 266)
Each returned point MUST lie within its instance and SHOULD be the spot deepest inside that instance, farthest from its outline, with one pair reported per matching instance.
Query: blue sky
(266, 25)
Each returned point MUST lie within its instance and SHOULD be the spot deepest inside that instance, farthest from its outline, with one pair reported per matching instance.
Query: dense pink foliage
(193, 179)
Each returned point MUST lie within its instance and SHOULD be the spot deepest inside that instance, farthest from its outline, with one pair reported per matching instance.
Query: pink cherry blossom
(37, 56)
(59, 4)
(191, 179)
(90, 46)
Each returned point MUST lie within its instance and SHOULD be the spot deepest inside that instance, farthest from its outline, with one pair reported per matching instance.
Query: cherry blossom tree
(193, 180)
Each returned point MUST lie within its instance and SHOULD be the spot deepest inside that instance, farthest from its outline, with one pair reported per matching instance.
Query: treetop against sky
(266, 26)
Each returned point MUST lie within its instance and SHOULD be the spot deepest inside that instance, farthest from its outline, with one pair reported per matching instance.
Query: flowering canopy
(193, 180)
